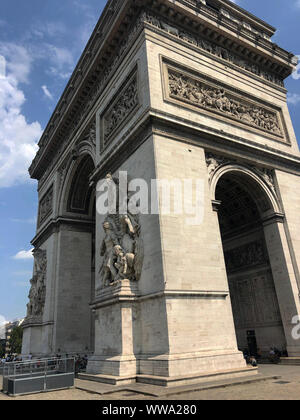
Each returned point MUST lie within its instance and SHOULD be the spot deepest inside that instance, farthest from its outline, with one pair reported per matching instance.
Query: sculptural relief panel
(46, 206)
(121, 249)
(37, 293)
(246, 256)
(120, 109)
(210, 97)
(254, 299)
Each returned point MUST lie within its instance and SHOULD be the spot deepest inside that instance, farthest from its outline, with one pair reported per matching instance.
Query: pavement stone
(276, 382)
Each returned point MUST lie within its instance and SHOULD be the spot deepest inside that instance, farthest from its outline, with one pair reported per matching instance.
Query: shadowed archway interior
(255, 305)
(79, 199)
(77, 267)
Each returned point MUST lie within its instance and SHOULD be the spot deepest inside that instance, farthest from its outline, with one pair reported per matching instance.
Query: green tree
(2, 348)
(15, 341)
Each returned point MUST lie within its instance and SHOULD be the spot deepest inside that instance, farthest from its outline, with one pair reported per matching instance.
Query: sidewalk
(276, 382)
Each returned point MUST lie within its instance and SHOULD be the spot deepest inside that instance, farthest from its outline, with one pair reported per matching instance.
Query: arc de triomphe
(169, 90)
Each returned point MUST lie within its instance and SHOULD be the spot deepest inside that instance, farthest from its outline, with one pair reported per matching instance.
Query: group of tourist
(10, 358)
(80, 363)
(273, 357)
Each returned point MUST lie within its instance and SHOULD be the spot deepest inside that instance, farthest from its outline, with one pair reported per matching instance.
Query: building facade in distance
(177, 91)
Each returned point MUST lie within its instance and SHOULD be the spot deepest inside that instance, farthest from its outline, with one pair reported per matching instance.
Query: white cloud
(23, 255)
(18, 138)
(293, 98)
(47, 92)
(61, 60)
(18, 61)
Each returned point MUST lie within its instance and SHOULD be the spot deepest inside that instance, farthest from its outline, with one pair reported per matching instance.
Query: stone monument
(170, 90)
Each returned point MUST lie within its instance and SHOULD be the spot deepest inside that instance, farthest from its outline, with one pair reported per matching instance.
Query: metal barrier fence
(38, 375)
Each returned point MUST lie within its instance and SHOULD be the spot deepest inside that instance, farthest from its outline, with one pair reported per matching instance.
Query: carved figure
(189, 89)
(37, 293)
(122, 248)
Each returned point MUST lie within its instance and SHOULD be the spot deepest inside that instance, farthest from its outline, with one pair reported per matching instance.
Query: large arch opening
(243, 207)
(75, 321)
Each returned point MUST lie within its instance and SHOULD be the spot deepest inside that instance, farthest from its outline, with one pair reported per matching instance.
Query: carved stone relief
(212, 48)
(245, 256)
(121, 249)
(122, 106)
(37, 294)
(46, 206)
(90, 134)
(195, 91)
(213, 162)
(268, 176)
(254, 300)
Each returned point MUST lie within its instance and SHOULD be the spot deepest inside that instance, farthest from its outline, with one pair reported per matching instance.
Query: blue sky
(41, 41)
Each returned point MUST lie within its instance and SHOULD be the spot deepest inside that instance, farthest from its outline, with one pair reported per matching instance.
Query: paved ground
(285, 388)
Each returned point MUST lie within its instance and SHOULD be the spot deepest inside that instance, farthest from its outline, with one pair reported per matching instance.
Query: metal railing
(38, 375)
(39, 367)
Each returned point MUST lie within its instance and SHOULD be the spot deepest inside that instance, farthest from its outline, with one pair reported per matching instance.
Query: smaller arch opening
(80, 192)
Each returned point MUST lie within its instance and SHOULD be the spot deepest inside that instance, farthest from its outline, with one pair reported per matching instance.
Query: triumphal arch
(169, 90)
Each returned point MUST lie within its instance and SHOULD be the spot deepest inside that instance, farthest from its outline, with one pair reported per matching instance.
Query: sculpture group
(121, 249)
(217, 99)
(37, 293)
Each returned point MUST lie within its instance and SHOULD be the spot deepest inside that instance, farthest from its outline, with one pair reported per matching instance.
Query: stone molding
(212, 48)
(117, 295)
(34, 322)
(60, 222)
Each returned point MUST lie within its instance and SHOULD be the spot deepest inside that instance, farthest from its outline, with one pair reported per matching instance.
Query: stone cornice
(114, 298)
(54, 225)
(31, 323)
(118, 28)
(217, 26)
(95, 64)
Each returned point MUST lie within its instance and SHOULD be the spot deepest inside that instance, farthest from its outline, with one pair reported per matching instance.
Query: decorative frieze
(46, 206)
(215, 97)
(212, 48)
(245, 256)
(37, 294)
(120, 109)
